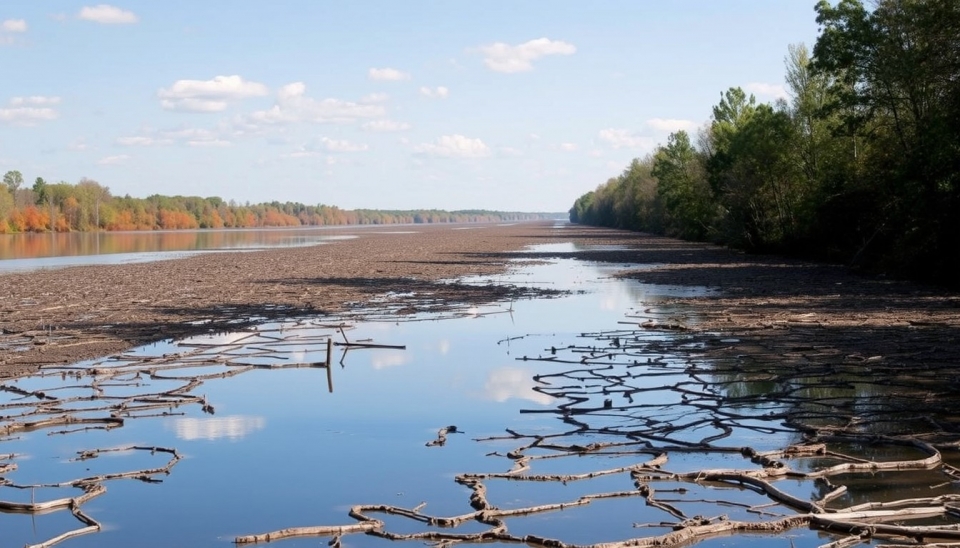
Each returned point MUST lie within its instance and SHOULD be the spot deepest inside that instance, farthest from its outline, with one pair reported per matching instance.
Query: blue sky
(376, 104)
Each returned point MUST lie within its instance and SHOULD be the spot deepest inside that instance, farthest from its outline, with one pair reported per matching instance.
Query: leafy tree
(682, 185)
(6, 208)
(896, 76)
(40, 190)
(13, 180)
(92, 195)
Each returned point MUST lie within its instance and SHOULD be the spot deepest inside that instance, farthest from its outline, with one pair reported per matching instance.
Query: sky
(518, 106)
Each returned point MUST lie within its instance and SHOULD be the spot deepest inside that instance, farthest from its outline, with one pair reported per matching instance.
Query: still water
(298, 446)
(19, 252)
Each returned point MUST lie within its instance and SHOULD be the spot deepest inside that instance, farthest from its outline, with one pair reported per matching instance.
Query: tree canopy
(88, 205)
(861, 164)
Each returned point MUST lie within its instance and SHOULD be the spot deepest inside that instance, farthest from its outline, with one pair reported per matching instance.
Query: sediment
(64, 315)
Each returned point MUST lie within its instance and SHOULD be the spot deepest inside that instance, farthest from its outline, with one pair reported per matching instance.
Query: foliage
(861, 164)
(87, 205)
(686, 198)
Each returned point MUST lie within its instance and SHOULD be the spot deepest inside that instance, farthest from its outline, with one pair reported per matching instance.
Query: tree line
(89, 206)
(860, 165)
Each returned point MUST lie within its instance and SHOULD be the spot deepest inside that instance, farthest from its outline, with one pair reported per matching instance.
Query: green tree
(13, 179)
(40, 190)
(682, 186)
(6, 208)
(91, 195)
(896, 78)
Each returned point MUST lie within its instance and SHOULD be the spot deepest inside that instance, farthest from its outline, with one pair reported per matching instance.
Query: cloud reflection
(444, 347)
(234, 427)
(504, 383)
(390, 359)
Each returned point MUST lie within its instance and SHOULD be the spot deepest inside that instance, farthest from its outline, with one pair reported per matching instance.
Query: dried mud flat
(784, 309)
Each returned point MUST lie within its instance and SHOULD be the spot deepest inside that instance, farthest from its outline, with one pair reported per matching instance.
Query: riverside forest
(859, 165)
(89, 206)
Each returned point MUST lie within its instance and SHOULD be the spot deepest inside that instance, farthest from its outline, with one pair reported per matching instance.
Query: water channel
(281, 441)
(28, 251)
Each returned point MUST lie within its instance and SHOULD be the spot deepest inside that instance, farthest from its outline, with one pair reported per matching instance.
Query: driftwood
(610, 376)
(625, 393)
(199, 361)
(442, 436)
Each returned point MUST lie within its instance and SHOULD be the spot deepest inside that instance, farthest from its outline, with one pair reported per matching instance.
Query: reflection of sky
(443, 346)
(234, 427)
(385, 359)
(326, 450)
(219, 338)
(504, 383)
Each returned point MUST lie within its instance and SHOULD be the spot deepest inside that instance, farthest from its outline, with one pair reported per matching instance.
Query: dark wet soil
(776, 306)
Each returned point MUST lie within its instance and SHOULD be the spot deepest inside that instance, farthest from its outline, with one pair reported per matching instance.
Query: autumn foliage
(88, 206)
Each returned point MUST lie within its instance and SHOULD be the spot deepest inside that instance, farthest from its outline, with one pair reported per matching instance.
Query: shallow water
(281, 449)
(24, 252)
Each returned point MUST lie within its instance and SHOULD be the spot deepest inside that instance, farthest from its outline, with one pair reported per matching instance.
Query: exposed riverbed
(608, 398)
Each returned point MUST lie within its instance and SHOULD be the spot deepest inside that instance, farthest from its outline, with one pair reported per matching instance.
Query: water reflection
(29, 251)
(573, 396)
(504, 383)
(384, 360)
(233, 428)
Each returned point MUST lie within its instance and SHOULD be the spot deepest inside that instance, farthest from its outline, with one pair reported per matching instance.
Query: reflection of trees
(828, 389)
(31, 246)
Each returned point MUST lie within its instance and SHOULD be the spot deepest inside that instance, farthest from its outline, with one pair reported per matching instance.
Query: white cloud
(107, 14)
(454, 146)
(26, 116)
(302, 154)
(28, 111)
(113, 160)
(568, 147)
(439, 92)
(622, 138)
(142, 141)
(78, 145)
(194, 137)
(387, 74)
(385, 125)
(13, 25)
(210, 143)
(194, 105)
(773, 91)
(671, 125)
(190, 135)
(502, 57)
(374, 98)
(336, 145)
(294, 106)
(35, 100)
(208, 95)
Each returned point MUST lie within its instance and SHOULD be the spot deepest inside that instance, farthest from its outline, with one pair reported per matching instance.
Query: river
(23, 252)
(286, 439)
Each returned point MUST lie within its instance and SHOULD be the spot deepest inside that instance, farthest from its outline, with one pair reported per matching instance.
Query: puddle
(239, 433)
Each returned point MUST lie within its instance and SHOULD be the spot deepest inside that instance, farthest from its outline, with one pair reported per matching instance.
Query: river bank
(64, 315)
